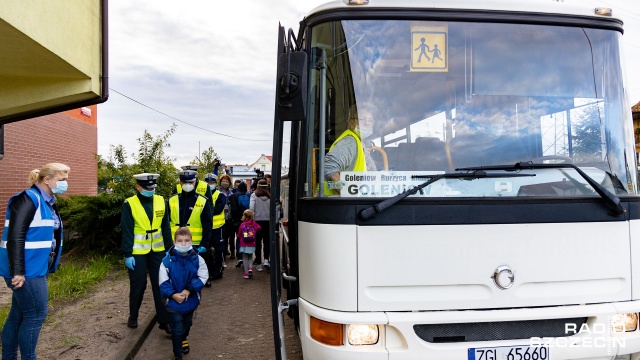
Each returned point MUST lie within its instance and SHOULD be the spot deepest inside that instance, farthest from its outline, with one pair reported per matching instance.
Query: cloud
(207, 63)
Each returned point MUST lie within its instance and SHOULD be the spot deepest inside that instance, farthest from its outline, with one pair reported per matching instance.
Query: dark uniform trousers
(217, 243)
(138, 284)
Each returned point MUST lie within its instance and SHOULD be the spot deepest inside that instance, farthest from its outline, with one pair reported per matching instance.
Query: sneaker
(208, 283)
(266, 264)
(238, 263)
(259, 268)
(246, 276)
(185, 346)
(250, 271)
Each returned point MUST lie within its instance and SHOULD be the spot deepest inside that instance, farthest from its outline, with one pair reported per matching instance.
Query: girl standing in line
(247, 237)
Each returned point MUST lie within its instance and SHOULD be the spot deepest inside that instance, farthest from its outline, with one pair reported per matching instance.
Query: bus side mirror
(291, 90)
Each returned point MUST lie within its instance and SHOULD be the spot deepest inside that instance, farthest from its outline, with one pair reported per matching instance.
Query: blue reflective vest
(37, 246)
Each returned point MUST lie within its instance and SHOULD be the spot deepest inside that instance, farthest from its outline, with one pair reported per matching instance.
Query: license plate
(522, 352)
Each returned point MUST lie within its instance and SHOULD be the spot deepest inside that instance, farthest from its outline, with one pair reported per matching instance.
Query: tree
(94, 221)
(587, 135)
(207, 161)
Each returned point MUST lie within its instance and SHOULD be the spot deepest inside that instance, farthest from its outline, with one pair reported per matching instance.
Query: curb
(133, 343)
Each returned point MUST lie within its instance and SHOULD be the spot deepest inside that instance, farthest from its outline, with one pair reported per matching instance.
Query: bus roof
(564, 7)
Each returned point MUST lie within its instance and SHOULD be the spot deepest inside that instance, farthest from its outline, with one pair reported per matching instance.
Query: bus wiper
(612, 201)
(370, 212)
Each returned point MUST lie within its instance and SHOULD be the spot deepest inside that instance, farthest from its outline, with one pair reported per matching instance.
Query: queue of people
(180, 244)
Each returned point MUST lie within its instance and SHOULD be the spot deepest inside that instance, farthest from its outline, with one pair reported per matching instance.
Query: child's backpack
(248, 233)
(243, 201)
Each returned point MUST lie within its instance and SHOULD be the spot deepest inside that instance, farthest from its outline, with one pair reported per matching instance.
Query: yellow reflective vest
(201, 188)
(147, 236)
(360, 164)
(194, 224)
(218, 220)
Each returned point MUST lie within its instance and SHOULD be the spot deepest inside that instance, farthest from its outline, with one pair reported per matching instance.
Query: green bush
(92, 223)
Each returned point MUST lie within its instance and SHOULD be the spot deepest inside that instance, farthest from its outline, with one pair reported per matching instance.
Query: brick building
(69, 137)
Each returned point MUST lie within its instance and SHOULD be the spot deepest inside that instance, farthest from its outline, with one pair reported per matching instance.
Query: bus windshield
(392, 101)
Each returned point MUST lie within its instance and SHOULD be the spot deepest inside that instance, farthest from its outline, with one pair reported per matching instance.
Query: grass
(74, 279)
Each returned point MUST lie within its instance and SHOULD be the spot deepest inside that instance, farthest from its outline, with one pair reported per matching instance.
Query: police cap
(190, 167)
(147, 180)
(188, 175)
(210, 177)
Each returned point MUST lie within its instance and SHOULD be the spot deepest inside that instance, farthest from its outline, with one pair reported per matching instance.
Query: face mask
(61, 187)
(212, 187)
(183, 248)
(365, 131)
(224, 184)
(147, 193)
(187, 187)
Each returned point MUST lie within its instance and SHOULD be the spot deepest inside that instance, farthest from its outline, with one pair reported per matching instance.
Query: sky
(210, 68)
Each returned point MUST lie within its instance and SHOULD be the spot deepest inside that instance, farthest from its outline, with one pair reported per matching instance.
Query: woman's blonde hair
(51, 169)
(247, 215)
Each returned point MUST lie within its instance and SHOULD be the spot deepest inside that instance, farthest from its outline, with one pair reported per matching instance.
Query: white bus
(492, 212)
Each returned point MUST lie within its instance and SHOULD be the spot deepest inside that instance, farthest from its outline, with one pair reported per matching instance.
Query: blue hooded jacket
(179, 272)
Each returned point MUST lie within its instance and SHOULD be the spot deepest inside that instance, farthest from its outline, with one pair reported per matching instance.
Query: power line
(182, 121)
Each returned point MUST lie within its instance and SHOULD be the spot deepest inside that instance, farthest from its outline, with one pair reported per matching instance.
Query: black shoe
(208, 283)
(166, 328)
(185, 347)
(132, 323)
(238, 263)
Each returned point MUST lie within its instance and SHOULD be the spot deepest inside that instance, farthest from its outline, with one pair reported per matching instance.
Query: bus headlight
(624, 322)
(359, 334)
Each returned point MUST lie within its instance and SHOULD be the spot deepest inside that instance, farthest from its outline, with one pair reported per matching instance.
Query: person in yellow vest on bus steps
(201, 187)
(192, 210)
(146, 237)
(218, 201)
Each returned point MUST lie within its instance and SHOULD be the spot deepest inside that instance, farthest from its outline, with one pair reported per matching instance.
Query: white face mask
(183, 248)
(365, 131)
(187, 187)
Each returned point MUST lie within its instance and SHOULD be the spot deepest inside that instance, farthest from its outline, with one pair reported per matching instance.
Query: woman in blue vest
(30, 249)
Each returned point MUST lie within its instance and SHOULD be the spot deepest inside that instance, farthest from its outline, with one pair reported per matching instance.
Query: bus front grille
(503, 330)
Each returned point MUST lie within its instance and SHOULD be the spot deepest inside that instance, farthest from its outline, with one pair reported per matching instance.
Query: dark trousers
(207, 256)
(138, 283)
(180, 326)
(263, 235)
(217, 242)
(229, 237)
(236, 227)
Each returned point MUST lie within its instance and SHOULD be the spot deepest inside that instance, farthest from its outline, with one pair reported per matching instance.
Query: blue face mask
(183, 248)
(212, 187)
(61, 187)
(147, 193)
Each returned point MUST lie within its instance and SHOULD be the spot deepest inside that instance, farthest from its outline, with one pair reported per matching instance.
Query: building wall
(69, 137)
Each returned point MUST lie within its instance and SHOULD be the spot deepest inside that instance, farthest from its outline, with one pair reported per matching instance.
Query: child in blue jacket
(183, 274)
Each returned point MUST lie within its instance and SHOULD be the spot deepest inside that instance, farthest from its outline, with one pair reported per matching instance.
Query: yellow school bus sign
(429, 48)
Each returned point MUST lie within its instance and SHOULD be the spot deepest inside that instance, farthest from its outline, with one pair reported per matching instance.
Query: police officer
(201, 187)
(217, 237)
(192, 210)
(146, 236)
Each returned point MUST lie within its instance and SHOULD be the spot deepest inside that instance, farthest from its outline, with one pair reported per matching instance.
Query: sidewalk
(233, 321)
